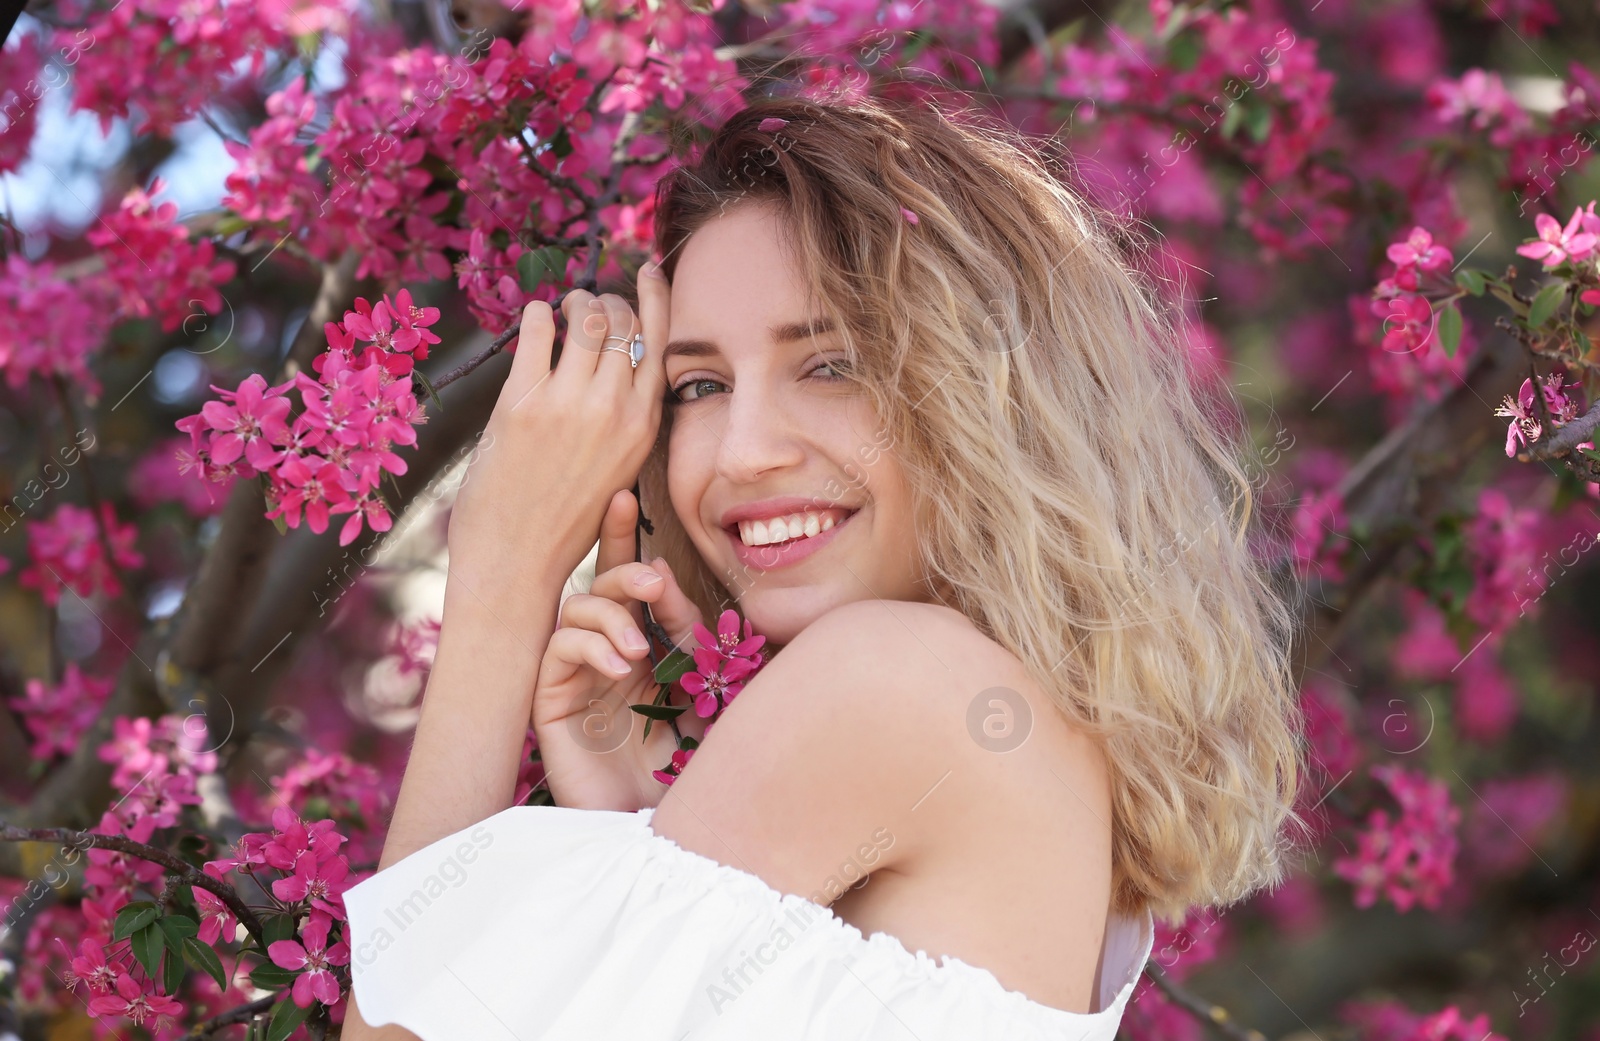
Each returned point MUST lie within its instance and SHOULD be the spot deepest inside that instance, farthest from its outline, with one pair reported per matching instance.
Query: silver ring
(635, 353)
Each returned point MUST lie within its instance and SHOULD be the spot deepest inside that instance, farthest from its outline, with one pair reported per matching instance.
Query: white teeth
(794, 526)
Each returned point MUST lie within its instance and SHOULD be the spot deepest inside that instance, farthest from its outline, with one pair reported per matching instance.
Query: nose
(759, 433)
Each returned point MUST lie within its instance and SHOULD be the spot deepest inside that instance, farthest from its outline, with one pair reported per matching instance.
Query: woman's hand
(561, 444)
(597, 664)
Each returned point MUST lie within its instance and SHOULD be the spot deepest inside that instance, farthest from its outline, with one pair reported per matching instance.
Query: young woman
(1030, 690)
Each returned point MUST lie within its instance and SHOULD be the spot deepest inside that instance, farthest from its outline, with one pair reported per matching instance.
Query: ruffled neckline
(919, 964)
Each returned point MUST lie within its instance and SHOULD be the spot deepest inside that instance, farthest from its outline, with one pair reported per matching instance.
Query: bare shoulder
(852, 733)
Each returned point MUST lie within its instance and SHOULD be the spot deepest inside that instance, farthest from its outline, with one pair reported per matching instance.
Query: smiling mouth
(788, 530)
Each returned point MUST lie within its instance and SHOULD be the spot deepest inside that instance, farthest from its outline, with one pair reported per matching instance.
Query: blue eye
(675, 395)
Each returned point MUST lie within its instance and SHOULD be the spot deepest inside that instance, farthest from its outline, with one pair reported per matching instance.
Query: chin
(780, 614)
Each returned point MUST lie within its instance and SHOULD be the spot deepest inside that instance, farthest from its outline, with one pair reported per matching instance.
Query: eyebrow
(788, 332)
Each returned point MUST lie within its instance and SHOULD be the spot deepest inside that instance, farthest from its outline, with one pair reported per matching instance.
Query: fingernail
(646, 578)
(653, 270)
(596, 305)
(634, 640)
(617, 662)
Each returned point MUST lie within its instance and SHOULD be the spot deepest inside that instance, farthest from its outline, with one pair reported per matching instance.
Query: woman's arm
(469, 738)
(560, 443)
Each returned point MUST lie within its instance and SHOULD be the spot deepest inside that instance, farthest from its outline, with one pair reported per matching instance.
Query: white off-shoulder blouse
(548, 923)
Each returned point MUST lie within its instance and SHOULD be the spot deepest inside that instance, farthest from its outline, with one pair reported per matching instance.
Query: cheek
(689, 467)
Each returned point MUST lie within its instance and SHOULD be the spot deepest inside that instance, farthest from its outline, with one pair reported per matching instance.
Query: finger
(571, 649)
(670, 606)
(617, 532)
(629, 583)
(616, 621)
(655, 297)
(613, 364)
(535, 339)
(586, 328)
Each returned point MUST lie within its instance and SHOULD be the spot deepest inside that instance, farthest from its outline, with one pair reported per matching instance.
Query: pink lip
(784, 554)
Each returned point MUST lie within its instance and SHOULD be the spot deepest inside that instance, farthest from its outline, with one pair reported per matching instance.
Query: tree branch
(182, 868)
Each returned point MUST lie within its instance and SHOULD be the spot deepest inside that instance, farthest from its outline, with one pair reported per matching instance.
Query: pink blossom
(315, 880)
(1409, 858)
(250, 425)
(57, 716)
(1525, 427)
(217, 923)
(68, 552)
(680, 759)
(312, 953)
(1556, 244)
(138, 1001)
(150, 257)
(1419, 250)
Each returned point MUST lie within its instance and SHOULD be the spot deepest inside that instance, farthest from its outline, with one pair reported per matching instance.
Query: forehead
(735, 274)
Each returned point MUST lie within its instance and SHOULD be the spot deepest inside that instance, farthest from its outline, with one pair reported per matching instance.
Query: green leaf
(1259, 122)
(545, 264)
(275, 927)
(133, 917)
(285, 1018)
(674, 667)
(1450, 329)
(179, 928)
(1183, 51)
(427, 385)
(1584, 346)
(172, 970)
(272, 977)
(1470, 279)
(147, 945)
(202, 957)
(1545, 304)
(1231, 120)
(660, 711)
(561, 144)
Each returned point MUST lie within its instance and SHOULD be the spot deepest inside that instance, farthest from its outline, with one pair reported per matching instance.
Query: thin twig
(1214, 1016)
(242, 1014)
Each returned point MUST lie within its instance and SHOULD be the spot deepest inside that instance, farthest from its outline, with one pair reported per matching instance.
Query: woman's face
(778, 469)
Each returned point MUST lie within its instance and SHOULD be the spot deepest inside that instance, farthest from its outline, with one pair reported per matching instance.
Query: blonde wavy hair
(1073, 494)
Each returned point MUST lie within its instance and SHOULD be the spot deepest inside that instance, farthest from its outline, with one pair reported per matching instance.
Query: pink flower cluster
(58, 715)
(1525, 427)
(183, 51)
(1318, 519)
(19, 67)
(329, 459)
(53, 325)
(1503, 541)
(352, 794)
(417, 110)
(67, 551)
(156, 766)
(724, 662)
(1409, 858)
(1398, 300)
(1578, 240)
(313, 878)
(152, 261)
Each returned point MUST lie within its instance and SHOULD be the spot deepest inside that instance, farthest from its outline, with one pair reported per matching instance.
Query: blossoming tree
(209, 664)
